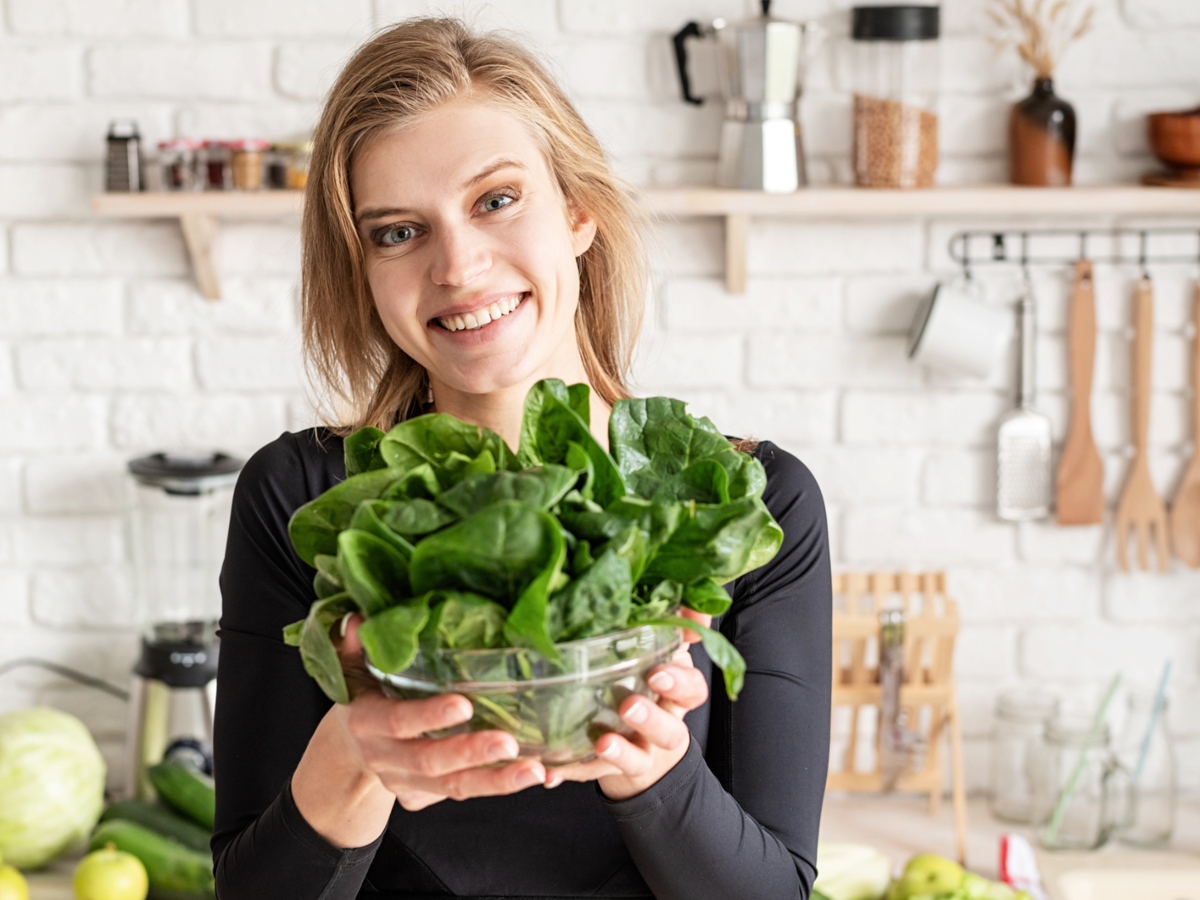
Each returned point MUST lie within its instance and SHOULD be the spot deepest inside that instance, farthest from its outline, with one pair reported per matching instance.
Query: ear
(583, 229)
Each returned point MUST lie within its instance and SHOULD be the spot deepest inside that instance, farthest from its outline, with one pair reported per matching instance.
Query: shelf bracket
(737, 231)
(200, 235)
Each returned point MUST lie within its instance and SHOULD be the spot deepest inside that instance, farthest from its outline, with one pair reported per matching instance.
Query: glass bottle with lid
(1021, 718)
(1146, 752)
(895, 58)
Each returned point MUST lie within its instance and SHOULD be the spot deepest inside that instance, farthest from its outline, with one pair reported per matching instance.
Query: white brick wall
(107, 350)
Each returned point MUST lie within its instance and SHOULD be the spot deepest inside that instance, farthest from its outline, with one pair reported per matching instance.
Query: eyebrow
(384, 212)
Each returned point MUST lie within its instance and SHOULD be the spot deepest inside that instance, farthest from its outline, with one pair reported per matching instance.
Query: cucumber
(175, 872)
(186, 791)
(159, 820)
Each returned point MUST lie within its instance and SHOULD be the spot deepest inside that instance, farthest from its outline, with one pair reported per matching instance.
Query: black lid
(186, 473)
(894, 23)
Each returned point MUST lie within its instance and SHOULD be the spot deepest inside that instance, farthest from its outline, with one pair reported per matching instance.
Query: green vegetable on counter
(443, 538)
(175, 872)
(186, 790)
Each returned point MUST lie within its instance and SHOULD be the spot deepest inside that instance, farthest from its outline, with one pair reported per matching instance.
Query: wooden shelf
(198, 212)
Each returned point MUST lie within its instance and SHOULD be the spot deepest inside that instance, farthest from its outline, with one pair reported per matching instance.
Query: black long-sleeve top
(736, 818)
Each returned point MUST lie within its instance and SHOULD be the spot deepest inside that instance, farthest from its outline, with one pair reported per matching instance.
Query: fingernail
(501, 750)
(637, 713)
(661, 681)
(460, 710)
(555, 781)
(344, 624)
(612, 751)
(530, 777)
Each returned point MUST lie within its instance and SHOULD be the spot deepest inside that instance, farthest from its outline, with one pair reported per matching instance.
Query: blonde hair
(391, 81)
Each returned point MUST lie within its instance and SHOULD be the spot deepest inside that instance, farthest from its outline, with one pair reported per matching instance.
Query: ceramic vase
(1041, 138)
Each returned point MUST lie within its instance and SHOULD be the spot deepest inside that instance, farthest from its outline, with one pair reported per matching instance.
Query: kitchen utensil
(1023, 441)
(179, 523)
(897, 742)
(1080, 496)
(955, 331)
(1140, 509)
(760, 63)
(123, 159)
(1185, 511)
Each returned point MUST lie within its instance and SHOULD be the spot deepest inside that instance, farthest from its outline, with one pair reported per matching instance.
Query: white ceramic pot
(956, 331)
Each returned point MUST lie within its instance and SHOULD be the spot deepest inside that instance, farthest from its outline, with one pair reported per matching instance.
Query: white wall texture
(107, 350)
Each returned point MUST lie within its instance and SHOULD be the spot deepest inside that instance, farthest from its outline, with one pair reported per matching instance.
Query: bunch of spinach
(441, 537)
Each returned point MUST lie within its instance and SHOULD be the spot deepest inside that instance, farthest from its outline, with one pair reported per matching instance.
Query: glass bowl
(556, 711)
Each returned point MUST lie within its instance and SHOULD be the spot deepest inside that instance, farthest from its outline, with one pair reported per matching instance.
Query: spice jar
(1146, 752)
(1083, 787)
(1021, 719)
(179, 161)
(276, 161)
(287, 165)
(895, 95)
(246, 161)
(218, 176)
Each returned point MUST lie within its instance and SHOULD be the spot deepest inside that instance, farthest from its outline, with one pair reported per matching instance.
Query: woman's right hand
(368, 754)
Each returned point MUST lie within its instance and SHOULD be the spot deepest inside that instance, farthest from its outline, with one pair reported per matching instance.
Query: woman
(464, 238)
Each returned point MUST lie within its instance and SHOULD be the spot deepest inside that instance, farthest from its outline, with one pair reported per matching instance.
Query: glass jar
(895, 84)
(1021, 719)
(1090, 779)
(1147, 754)
(217, 173)
(296, 155)
(179, 160)
(246, 158)
(276, 161)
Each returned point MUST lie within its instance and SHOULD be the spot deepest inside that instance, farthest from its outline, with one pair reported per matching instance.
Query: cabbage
(51, 785)
(851, 871)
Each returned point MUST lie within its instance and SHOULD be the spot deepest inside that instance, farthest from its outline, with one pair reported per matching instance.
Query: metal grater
(1024, 479)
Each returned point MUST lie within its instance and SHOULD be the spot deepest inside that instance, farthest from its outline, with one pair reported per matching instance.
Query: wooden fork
(1140, 509)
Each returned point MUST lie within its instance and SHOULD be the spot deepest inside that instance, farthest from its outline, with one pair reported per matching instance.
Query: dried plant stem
(1038, 31)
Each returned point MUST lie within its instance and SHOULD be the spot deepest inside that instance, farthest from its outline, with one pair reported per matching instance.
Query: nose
(460, 256)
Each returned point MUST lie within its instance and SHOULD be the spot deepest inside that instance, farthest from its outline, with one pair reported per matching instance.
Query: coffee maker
(179, 521)
(759, 63)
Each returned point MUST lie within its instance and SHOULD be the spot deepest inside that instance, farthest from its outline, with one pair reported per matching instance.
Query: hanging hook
(1083, 236)
(1142, 239)
(1025, 255)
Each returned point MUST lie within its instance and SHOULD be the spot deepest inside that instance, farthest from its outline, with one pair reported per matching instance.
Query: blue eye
(395, 236)
(497, 202)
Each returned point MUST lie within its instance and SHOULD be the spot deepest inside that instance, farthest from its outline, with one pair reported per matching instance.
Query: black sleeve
(267, 706)
(743, 822)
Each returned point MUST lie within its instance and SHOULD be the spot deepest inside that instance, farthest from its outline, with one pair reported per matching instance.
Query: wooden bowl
(1175, 139)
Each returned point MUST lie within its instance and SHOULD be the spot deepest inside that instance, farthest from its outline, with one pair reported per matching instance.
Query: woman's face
(470, 249)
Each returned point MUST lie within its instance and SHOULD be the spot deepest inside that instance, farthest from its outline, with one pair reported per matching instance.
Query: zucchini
(186, 791)
(175, 872)
(160, 820)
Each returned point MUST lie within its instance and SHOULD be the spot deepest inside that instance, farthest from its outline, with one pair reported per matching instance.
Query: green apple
(12, 884)
(928, 873)
(110, 874)
(975, 887)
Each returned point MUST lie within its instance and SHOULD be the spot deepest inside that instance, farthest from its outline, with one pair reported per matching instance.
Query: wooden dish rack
(927, 694)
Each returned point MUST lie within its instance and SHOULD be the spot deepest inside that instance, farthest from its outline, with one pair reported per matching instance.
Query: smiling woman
(464, 239)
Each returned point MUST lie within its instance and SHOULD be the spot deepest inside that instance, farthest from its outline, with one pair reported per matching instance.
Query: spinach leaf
(414, 518)
(314, 527)
(707, 596)
(597, 602)
(551, 422)
(390, 637)
(317, 652)
(368, 518)
(462, 621)
(723, 654)
(328, 580)
(419, 482)
(710, 542)
(542, 487)
(362, 451)
(497, 552)
(375, 572)
(658, 601)
(447, 444)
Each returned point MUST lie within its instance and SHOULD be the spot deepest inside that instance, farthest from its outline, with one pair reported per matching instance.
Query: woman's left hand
(624, 767)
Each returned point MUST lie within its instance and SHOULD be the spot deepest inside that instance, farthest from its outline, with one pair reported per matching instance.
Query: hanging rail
(1019, 246)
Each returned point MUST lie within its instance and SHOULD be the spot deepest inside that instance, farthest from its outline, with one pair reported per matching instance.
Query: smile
(477, 319)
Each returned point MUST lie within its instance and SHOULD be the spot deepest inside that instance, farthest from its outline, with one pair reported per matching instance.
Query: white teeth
(481, 317)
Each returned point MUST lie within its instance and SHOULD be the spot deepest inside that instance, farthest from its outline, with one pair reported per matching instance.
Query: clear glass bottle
(895, 78)
(179, 160)
(1021, 718)
(1147, 754)
(1094, 795)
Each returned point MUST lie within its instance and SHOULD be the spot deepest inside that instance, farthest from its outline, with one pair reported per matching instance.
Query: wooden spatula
(1140, 509)
(1185, 511)
(1080, 488)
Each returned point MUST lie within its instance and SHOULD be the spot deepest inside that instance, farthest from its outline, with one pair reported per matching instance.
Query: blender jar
(895, 95)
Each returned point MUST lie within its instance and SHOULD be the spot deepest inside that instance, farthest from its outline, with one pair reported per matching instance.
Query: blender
(759, 63)
(180, 519)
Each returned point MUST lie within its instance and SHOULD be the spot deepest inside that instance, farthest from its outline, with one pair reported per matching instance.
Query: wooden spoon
(1140, 510)
(1185, 511)
(1080, 494)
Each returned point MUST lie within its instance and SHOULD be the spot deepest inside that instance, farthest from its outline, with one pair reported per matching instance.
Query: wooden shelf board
(225, 204)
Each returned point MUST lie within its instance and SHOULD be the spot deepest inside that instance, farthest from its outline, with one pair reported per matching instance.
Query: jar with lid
(246, 158)
(179, 160)
(1147, 754)
(1085, 780)
(1021, 719)
(217, 173)
(294, 156)
(895, 82)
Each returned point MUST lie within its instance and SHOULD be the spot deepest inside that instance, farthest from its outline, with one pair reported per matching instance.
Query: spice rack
(198, 213)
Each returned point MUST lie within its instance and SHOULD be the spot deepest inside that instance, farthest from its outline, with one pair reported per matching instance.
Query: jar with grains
(217, 173)
(179, 161)
(895, 77)
(246, 159)
(1021, 719)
